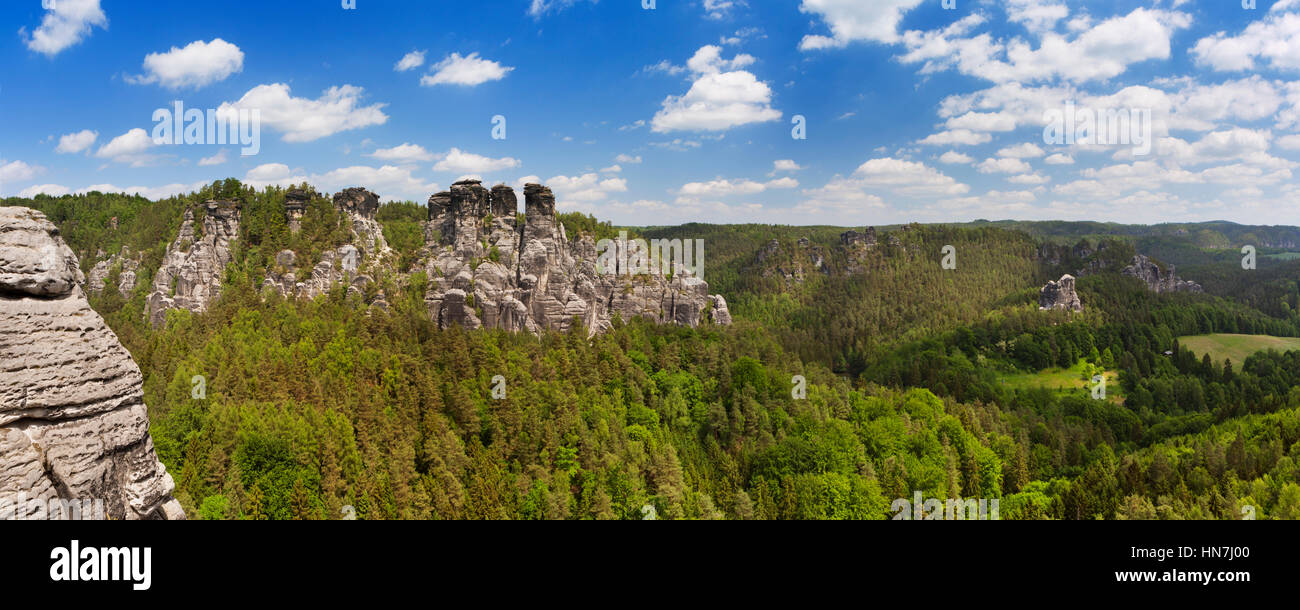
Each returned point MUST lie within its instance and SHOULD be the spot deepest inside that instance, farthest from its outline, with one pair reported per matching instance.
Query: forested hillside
(311, 406)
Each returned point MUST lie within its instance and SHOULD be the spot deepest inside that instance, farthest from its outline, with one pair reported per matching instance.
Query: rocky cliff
(73, 423)
(1157, 278)
(1060, 295)
(349, 264)
(486, 270)
(127, 264)
(190, 275)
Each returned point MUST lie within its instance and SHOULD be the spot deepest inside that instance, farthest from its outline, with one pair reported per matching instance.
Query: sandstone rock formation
(295, 206)
(73, 423)
(190, 275)
(486, 271)
(854, 238)
(1060, 295)
(1158, 279)
(126, 278)
(366, 250)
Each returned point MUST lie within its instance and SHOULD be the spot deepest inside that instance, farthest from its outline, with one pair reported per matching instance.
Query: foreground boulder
(74, 429)
(1060, 295)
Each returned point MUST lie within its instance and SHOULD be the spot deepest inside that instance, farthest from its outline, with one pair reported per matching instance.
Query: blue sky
(913, 111)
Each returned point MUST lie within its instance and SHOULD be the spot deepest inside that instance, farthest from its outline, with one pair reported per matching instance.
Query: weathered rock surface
(367, 250)
(485, 271)
(1060, 295)
(1158, 279)
(190, 275)
(73, 423)
(126, 278)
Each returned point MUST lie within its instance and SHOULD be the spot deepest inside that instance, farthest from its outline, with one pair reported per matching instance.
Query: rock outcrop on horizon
(74, 428)
(1060, 295)
(190, 275)
(1157, 278)
(487, 271)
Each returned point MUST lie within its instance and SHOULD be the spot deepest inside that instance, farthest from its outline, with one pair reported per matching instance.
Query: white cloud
(785, 165)
(956, 137)
(76, 142)
(628, 159)
(129, 147)
(613, 169)
(410, 61)
(218, 159)
(148, 192)
(538, 8)
(64, 25)
(1027, 150)
(720, 9)
(53, 190)
(587, 187)
(1104, 51)
(459, 161)
(726, 188)
(953, 157)
(907, 177)
(391, 183)
(403, 152)
(1274, 41)
(16, 171)
(855, 20)
(198, 64)
(1059, 159)
(1004, 165)
(983, 121)
(304, 120)
(1038, 16)
(1289, 142)
(468, 71)
(718, 100)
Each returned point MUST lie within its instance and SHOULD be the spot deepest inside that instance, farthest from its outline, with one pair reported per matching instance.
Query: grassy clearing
(1236, 347)
(1072, 379)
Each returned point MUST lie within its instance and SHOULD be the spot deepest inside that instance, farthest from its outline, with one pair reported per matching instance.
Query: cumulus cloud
(467, 71)
(403, 152)
(390, 182)
(65, 24)
(956, 137)
(305, 120)
(53, 190)
(218, 159)
(129, 147)
(953, 157)
(16, 171)
(628, 159)
(855, 20)
(721, 97)
(725, 188)
(459, 161)
(410, 61)
(587, 187)
(1273, 41)
(76, 142)
(785, 165)
(196, 65)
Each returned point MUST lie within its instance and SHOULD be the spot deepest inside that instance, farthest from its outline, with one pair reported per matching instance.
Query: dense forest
(852, 377)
